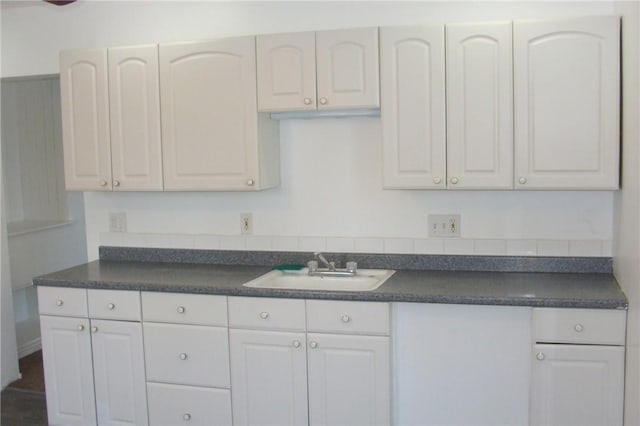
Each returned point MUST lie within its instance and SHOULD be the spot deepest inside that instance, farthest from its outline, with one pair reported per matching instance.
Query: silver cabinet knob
(186, 416)
(578, 327)
(250, 182)
(103, 183)
(437, 180)
(323, 101)
(522, 180)
(540, 356)
(296, 343)
(183, 356)
(81, 327)
(346, 318)
(111, 306)
(313, 345)
(59, 302)
(307, 101)
(454, 180)
(94, 329)
(181, 309)
(116, 183)
(264, 315)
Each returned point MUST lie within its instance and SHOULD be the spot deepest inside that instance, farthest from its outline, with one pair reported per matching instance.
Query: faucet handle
(352, 267)
(312, 265)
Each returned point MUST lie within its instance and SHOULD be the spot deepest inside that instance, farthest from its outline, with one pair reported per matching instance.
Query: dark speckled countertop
(594, 289)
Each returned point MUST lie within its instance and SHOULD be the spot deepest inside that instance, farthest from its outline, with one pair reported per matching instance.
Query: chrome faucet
(330, 267)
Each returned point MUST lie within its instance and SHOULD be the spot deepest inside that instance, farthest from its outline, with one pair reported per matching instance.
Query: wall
(627, 204)
(331, 196)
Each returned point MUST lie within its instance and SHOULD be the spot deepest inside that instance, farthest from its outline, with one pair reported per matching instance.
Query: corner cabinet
(567, 103)
(213, 136)
(325, 70)
(111, 118)
(412, 84)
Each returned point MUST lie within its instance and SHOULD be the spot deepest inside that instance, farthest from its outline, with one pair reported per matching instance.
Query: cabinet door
(134, 100)
(567, 103)
(118, 360)
(268, 377)
(349, 380)
(66, 355)
(85, 119)
(413, 107)
(479, 106)
(286, 71)
(577, 385)
(209, 115)
(347, 69)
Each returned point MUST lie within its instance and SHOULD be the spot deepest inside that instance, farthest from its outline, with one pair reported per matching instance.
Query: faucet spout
(330, 265)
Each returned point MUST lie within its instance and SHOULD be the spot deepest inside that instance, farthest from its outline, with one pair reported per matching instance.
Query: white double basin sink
(363, 280)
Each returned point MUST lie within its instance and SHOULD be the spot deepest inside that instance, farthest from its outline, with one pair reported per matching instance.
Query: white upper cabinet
(412, 67)
(286, 71)
(213, 137)
(134, 100)
(567, 96)
(479, 106)
(85, 119)
(341, 64)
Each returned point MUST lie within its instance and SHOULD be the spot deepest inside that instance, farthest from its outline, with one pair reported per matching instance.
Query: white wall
(331, 196)
(627, 204)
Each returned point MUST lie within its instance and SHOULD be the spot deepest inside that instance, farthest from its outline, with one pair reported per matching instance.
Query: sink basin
(364, 280)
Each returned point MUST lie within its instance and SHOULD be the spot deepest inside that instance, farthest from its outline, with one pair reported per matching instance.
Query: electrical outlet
(246, 224)
(444, 225)
(118, 222)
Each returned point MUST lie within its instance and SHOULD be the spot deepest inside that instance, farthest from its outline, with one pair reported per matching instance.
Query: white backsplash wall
(331, 198)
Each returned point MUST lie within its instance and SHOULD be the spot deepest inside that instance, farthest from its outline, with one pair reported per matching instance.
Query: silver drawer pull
(313, 345)
(183, 356)
(59, 302)
(94, 329)
(264, 315)
(578, 327)
(81, 327)
(186, 416)
(181, 309)
(296, 343)
(346, 318)
(540, 356)
(111, 306)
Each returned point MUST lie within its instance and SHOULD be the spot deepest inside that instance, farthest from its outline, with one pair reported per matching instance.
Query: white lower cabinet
(281, 375)
(171, 405)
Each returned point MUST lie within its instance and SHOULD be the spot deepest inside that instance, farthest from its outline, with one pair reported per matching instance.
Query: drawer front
(187, 354)
(266, 313)
(69, 302)
(348, 317)
(114, 304)
(173, 405)
(178, 308)
(597, 326)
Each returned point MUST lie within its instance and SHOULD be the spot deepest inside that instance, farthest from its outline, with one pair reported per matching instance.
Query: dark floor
(23, 401)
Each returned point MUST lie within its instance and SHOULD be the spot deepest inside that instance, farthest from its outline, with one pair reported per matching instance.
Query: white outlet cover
(246, 224)
(118, 222)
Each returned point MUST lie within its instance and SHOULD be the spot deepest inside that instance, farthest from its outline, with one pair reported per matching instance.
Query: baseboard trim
(29, 347)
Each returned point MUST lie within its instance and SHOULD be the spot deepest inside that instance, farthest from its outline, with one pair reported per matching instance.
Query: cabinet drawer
(348, 317)
(266, 313)
(187, 354)
(172, 405)
(599, 326)
(202, 309)
(71, 302)
(114, 304)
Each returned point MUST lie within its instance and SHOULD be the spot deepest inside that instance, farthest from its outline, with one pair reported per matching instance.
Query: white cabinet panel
(134, 99)
(412, 80)
(114, 304)
(68, 302)
(581, 326)
(267, 313)
(479, 106)
(577, 385)
(567, 103)
(171, 405)
(85, 119)
(180, 308)
(286, 71)
(349, 379)
(210, 124)
(66, 354)
(269, 377)
(345, 317)
(118, 370)
(461, 364)
(347, 69)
